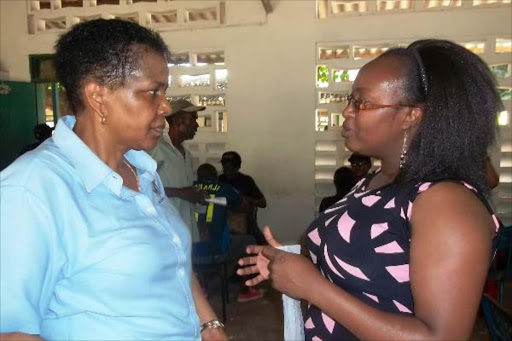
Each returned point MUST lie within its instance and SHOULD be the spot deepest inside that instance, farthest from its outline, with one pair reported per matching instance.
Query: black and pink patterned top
(361, 244)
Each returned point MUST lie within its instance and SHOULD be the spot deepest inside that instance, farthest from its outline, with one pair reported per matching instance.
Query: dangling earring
(404, 152)
(103, 119)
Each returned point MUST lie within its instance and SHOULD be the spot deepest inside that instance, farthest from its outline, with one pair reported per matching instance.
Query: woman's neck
(387, 174)
(95, 137)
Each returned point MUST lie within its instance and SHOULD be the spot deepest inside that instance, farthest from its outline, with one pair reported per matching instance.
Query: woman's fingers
(253, 249)
(271, 253)
(254, 281)
(249, 270)
(270, 237)
(247, 261)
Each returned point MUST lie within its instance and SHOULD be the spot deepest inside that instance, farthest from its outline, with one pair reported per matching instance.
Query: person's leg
(237, 249)
(238, 244)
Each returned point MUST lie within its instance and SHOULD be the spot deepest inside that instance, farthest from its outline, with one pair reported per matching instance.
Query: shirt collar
(89, 166)
(165, 139)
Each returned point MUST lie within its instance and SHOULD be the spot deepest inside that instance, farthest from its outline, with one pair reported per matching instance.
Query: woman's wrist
(314, 292)
(212, 324)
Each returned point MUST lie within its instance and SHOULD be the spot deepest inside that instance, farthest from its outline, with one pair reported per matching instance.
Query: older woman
(91, 249)
(405, 255)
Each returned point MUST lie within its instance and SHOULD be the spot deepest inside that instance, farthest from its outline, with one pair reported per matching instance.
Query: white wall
(271, 96)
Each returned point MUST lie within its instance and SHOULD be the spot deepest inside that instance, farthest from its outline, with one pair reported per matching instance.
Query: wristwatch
(214, 324)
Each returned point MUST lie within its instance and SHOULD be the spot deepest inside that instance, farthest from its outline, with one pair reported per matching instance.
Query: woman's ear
(413, 118)
(94, 97)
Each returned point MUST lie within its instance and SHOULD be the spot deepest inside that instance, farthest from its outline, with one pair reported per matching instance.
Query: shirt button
(176, 239)
(181, 272)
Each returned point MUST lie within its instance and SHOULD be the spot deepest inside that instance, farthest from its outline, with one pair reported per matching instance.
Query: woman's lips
(159, 130)
(345, 132)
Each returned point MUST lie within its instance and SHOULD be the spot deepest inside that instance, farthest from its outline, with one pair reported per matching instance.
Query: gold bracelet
(214, 324)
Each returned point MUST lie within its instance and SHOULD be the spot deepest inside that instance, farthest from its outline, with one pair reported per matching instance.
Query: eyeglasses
(359, 105)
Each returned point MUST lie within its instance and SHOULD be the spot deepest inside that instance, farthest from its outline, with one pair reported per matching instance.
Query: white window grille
(202, 78)
(157, 14)
(340, 8)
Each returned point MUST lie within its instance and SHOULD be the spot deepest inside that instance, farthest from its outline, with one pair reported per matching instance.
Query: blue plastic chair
(211, 258)
(499, 321)
(504, 249)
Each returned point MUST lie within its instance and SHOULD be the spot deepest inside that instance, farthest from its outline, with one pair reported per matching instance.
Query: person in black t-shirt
(231, 163)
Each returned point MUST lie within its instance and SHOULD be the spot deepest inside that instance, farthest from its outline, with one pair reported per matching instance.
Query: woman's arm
(191, 194)
(450, 256)
(19, 337)
(29, 248)
(206, 314)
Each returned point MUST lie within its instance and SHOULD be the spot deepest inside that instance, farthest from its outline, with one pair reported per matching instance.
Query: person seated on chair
(214, 231)
(212, 220)
(498, 318)
(344, 180)
(360, 164)
(247, 221)
(42, 132)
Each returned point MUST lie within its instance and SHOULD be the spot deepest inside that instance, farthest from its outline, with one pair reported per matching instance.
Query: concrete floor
(262, 319)
(257, 320)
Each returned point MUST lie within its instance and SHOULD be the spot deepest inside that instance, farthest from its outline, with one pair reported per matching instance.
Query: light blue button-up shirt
(84, 258)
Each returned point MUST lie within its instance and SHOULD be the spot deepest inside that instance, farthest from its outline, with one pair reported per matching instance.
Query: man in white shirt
(174, 162)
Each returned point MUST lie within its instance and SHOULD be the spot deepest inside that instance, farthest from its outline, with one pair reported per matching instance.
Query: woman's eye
(365, 105)
(153, 92)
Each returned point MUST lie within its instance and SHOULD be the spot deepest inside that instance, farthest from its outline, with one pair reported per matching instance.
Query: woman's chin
(150, 146)
(349, 144)
(145, 145)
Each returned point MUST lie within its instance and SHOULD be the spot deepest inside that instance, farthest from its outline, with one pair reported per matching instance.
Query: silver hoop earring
(403, 155)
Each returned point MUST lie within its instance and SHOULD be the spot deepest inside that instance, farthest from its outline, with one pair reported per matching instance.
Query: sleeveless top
(361, 244)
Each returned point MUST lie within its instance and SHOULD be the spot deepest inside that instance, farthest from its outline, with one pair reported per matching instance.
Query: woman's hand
(257, 264)
(291, 274)
(214, 334)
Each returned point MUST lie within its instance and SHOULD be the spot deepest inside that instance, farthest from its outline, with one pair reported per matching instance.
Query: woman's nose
(348, 111)
(165, 108)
